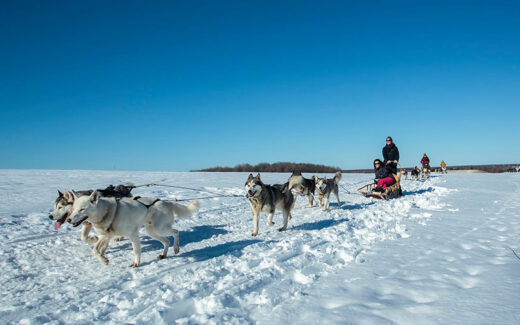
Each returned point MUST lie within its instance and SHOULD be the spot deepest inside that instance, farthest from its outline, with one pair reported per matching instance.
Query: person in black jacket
(383, 175)
(391, 155)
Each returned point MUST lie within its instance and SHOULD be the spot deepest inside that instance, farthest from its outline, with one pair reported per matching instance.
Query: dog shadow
(335, 204)
(357, 206)
(429, 189)
(327, 223)
(199, 233)
(320, 224)
(233, 248)
(196, 234)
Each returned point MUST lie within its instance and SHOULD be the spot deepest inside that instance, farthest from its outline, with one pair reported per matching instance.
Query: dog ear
(68, 195)
(73, 194)
(257, 176)
(94, 197)
(250, 176)
(60, 194)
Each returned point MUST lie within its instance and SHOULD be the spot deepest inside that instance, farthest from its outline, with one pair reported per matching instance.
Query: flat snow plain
(438, 255)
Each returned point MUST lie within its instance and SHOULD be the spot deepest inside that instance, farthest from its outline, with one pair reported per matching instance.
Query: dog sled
(390, 192)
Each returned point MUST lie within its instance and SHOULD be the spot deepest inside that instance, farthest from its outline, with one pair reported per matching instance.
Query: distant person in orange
(443, 167)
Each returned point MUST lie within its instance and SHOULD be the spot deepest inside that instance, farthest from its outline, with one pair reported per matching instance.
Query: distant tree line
(279, 167)
(502, 168)
(288, 167)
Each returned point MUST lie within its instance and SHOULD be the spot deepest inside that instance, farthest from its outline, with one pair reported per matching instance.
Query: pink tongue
(57, 225)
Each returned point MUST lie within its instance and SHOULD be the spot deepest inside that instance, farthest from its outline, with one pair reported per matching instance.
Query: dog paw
(134, 265)
(270, 224)
(118, 239)
(176, 250)
(92, 240)
(106, 261)
(161, 256)
(282, 229)
(254, 234)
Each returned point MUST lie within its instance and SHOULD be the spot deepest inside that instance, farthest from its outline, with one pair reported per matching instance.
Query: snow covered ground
(438, 255)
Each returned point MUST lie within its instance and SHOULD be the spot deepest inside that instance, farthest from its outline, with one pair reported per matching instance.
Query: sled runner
(390, 192)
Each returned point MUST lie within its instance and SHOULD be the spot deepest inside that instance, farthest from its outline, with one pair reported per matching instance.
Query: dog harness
(146, 205)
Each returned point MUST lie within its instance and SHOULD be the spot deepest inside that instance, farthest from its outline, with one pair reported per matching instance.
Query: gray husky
(326, 186)
(303, 185)
(268, 198)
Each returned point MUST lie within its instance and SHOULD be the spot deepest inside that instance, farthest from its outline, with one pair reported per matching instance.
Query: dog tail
(337, 177)
(184, 211)
(294, 180)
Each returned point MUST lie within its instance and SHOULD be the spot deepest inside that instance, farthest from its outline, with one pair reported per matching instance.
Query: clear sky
(180, 85)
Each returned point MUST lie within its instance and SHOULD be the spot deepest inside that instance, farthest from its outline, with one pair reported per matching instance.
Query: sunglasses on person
(377, 164)
(388, 140)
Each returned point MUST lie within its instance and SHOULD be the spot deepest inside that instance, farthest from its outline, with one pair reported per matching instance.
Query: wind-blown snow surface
(439, 254)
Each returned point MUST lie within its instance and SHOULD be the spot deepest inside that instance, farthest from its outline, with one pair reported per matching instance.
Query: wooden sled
(390, 192)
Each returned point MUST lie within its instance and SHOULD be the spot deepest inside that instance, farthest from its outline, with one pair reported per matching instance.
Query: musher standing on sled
(425, 161)
(391, 155)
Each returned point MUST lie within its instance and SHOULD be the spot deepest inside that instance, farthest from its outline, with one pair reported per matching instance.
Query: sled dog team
(115, 213)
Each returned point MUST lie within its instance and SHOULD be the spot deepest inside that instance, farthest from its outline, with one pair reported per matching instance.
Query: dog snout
(250, 193)
(51, 217)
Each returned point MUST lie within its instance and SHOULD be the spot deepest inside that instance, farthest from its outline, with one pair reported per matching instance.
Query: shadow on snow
(195, 234)
(422, 191)
(234, 248)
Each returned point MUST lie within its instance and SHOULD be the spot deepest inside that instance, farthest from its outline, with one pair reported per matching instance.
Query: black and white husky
(268, 198)
(415, 173)
(303, 185)
(326, 186)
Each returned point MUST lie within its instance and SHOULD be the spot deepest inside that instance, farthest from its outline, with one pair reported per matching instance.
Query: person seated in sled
(384, 177)
(425, 161)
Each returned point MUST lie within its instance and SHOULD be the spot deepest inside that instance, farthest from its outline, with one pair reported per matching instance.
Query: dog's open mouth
(59, 222)
(75, 224)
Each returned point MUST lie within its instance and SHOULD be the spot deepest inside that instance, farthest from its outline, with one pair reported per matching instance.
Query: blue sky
(180, 85)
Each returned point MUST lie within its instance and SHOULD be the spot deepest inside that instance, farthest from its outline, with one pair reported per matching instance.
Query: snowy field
(438, 255)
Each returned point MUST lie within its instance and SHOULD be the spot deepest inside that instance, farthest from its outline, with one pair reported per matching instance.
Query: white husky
(124, 217)
(62, 211)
